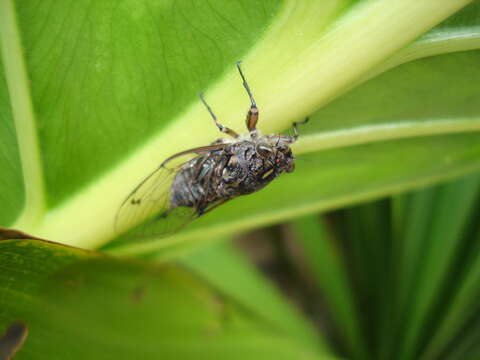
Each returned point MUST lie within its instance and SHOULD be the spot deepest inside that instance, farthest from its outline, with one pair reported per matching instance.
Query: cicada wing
(161, 225)
(168, 222)
(147, 212)
(150, 198)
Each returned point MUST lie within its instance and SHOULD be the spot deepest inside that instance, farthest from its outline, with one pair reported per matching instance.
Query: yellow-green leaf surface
(78, 304)
(96, 94)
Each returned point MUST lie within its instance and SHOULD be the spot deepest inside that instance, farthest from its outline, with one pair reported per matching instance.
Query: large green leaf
(79, 304)
(102, 91)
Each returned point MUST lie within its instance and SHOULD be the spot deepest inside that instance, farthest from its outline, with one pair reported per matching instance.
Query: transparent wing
(150, 199)
(146, 212)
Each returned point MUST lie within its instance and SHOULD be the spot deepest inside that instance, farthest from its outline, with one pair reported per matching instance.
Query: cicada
(181, 190)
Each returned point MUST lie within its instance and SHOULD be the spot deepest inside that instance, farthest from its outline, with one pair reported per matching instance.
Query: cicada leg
(295, 127)
(222, 128)
(252, 115)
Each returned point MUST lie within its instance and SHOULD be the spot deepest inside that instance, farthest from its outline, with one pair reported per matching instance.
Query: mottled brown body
(241, 167)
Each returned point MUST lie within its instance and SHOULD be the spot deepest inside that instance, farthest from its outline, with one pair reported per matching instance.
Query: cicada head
(276, 151)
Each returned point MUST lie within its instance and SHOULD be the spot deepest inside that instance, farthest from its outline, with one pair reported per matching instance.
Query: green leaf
(463, 308)
(79, 305)
(221, 265)
(407, 254)
(450, 214)
(365, 235)
(323, 257)
(466, 345)
(415, 290)
(101, 92)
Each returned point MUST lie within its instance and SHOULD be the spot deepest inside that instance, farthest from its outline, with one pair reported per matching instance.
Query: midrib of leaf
(23, 115)
(372, 133)
(310, 77)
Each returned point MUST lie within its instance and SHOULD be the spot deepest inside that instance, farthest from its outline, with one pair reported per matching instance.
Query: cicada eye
(264, 150)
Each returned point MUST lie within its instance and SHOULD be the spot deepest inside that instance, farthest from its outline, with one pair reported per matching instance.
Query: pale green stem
(23, 115)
